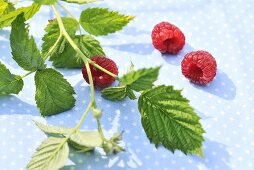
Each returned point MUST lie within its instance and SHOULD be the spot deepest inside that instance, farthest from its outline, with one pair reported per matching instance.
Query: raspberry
(167, 38)
(199, 67)
(101, 79)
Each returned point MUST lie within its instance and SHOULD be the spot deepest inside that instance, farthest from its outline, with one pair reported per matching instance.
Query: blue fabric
(222, 27)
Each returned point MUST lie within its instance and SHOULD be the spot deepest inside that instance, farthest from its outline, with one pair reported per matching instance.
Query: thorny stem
(87, 61)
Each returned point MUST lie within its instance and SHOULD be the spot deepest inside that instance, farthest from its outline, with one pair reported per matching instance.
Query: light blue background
(222, 27)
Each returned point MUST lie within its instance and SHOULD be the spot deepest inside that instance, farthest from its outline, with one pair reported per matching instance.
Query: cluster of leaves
(166, 116)
(55, 149)
(53, 93)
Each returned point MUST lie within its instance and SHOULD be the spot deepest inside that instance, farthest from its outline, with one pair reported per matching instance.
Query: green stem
(53, 47)
(74, 46)
(75, 129)
(26, 74)
(66, 10)
(86, 60)
(100, 129)
(83, 117)
(69, 13)
(90, 77)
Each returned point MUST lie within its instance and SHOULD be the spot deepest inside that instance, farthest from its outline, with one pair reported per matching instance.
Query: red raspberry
(167, 38)
(101, 79)
(199, 67)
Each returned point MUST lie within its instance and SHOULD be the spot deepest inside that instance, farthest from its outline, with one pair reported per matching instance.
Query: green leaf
(117, 93)
(141, 79)
(24, 49)
(66, 57)
(45, 2)
(6, 7)
(114, 93)
(90, 46)
(69, 58)
(8, 18)
(81, 1)
(49, 129)
(197, 151)
(102, 21)
(51, 154)
(169, 120)
(52, 33)
(3, 6)
(80, 148)
(87, 138)
(53, 93)
(9, 83)
(131, 94)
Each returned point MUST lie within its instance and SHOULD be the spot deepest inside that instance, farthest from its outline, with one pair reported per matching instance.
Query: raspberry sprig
(159, 106)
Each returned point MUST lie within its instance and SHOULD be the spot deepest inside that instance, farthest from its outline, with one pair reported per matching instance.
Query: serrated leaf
(102, 21)
(57, 130)
(169, 120)
(49, 129)
(141, 79)
(9, 83)
(197, 151)
(86, 139)
(45, 2)
(81, 1)
(53, 32)
(64, 55)
(130, 93)
(24, 49)
(53, 93)
(114, 93)
(69, 58)
(8, 18)
(117, 93)
(51, 154)
(90, 46)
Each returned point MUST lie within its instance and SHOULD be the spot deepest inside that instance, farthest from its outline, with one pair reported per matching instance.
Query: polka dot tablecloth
(222, 27)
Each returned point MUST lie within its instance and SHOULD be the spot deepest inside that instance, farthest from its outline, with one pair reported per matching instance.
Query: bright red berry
(199, 67)
(167, 38)
(101, 79)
